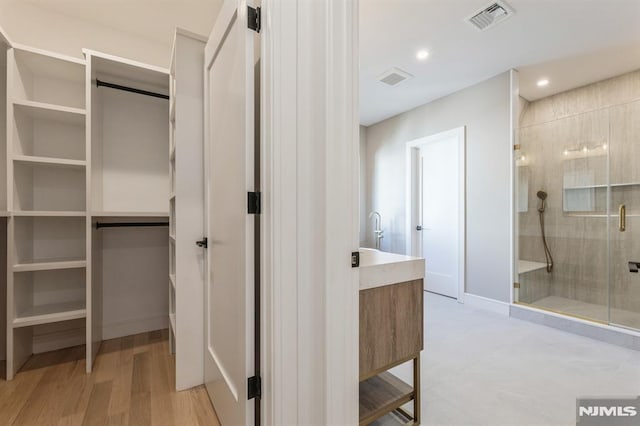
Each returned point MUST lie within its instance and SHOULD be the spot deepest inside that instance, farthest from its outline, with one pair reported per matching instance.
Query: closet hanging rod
(130, 89)
(129, 224)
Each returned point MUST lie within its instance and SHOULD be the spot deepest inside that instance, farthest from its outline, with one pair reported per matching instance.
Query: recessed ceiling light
(422, 54)
(543, 83)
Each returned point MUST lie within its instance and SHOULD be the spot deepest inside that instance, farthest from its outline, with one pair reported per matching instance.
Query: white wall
(33, 26)
(485, 110)
(363, 186)
(135, 268)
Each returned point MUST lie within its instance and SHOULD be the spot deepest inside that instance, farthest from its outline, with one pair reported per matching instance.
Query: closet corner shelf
(49, 265)
(382, 394)
(172, 280)
(130, 214)
(172, 321)
(61, 162)
(49, 213)
(50, 111)
(46, 314)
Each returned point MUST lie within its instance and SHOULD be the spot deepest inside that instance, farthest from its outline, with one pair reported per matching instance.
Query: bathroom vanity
(391, 333)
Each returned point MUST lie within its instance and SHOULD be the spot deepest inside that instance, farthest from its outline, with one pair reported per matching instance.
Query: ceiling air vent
(491, 15)
(394, 76)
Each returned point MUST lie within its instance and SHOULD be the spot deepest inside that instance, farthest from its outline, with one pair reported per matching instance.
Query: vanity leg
(416, 389)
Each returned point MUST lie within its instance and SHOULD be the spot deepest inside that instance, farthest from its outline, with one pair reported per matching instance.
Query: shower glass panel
(566, 160)
(624, 166)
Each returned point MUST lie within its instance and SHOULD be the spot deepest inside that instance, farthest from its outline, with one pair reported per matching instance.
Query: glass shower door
(624, 287)
(562, 203)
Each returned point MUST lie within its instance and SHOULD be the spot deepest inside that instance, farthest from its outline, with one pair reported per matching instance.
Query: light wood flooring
(132, 383)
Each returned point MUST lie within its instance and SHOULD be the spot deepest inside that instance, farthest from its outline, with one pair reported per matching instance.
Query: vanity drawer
(391, 326)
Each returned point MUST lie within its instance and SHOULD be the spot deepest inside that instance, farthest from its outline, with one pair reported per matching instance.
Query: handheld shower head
(542, 196)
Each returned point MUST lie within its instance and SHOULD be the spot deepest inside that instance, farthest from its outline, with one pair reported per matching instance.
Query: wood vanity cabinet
(391, 333)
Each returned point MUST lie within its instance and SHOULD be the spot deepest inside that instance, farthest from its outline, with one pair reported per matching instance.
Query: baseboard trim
(127, 328)
(486, 304)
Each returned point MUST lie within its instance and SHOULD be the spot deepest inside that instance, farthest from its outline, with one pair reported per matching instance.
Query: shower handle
(622, 218)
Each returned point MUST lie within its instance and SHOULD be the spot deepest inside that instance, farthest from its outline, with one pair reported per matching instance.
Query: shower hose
(547, 252)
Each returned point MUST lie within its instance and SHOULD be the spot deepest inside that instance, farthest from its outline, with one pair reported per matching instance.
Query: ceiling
(569, 42)
(153, 20)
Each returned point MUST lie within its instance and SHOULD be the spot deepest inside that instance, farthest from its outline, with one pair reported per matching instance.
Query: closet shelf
(46, 314)
(130, 214)
(51, 213)
(61, 162)
(49, 265)
(51, 112)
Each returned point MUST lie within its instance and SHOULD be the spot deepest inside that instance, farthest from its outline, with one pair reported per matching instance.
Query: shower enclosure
(578, 186)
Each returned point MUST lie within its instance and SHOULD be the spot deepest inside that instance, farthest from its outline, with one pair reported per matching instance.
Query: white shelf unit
(46, 197)
(128, 174)
(4, 46)
(186, 207)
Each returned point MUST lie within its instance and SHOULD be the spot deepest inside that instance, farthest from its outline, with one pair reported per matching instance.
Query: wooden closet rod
(130, 89)
(129, 224)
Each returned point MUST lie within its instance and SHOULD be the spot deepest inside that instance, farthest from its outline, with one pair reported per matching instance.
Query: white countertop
(378, 268)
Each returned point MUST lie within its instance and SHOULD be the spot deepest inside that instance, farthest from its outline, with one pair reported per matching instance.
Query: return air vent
(394, 76)
(491, 15)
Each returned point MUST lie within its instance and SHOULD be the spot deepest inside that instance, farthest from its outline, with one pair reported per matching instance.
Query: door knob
(202, 243)
(419, 228)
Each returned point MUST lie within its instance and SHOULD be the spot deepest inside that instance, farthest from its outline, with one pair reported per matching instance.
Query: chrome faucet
(377, 232)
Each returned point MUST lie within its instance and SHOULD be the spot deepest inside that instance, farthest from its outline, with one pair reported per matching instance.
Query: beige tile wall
(603, 119)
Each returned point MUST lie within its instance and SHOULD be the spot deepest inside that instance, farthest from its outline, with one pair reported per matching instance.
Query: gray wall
(485, 110)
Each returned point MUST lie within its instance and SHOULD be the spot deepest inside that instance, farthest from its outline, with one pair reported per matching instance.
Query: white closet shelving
(129, 177)
(89, 172)
(4, 46)
(47, 282)
(186, 207)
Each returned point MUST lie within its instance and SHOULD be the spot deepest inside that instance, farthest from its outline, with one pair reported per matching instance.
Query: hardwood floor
(132, 383)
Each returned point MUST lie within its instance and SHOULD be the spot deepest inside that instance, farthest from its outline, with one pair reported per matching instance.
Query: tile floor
(480, 368)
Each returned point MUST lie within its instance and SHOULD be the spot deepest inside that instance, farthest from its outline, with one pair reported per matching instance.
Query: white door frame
(412, 198)
(310, 224)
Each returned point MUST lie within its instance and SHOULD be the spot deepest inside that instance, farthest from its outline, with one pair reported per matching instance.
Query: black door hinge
(253, 18)
(254, 387)
(355, 259)
(253, 202)
(202, 243)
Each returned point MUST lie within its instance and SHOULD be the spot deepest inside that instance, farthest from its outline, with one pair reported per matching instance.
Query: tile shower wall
(572, 145)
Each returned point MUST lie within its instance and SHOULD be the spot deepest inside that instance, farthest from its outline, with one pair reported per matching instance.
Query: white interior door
(439, 196)
(230, 162)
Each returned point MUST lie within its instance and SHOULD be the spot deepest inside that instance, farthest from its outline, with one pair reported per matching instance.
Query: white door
(229, 165)
(440, 209)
